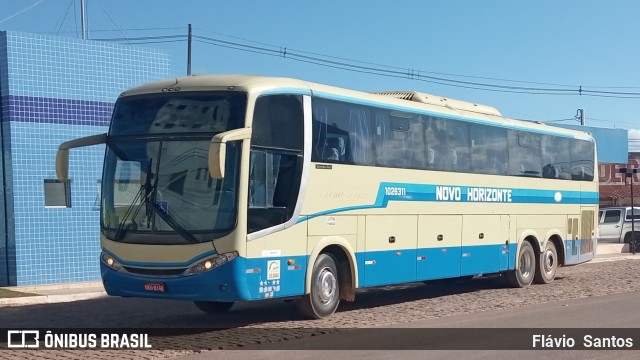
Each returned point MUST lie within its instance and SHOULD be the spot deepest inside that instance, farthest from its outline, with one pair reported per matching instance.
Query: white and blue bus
(226, 188)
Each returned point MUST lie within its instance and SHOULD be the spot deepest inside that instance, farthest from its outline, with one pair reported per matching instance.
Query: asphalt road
(598, 317)
(276, 324)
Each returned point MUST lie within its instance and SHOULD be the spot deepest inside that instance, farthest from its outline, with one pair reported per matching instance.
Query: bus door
(390, 249)
(439, 241)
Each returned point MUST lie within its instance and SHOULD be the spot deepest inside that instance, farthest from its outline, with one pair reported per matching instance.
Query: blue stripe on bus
(287, 91)
(160, 264)
(250, 278)
(467, 194)
(376, 268)
(358, 101)
(572, 255)
(224, 283)
(290, 278)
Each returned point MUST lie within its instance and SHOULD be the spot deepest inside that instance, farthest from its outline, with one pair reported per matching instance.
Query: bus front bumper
(220, 284)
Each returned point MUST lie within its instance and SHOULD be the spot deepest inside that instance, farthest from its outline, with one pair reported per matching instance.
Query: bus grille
(586, 232)
(154, 272)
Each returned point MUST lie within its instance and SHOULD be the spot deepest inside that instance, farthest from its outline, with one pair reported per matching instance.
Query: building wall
(612, 144)
(52, 90)
(615, 188)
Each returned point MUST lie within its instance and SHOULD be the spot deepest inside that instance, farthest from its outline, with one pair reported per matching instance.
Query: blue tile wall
(52, 90)
(54, 67)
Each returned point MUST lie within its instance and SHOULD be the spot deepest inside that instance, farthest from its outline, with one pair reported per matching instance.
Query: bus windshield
(156, 186)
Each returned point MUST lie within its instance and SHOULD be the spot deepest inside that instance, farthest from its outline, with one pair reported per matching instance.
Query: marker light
(210, 263)
(110, 262)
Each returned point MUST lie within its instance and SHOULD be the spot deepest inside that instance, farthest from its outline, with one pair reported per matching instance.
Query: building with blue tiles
(55, 89)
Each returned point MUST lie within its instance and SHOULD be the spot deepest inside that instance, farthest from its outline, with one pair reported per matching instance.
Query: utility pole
(580, 115)
(628, 173)
(189, 52)
(84, 22)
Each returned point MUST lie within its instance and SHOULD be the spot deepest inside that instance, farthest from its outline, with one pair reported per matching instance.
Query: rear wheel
(213, 307)
(523, 275)
(546, 264)
(324, 296)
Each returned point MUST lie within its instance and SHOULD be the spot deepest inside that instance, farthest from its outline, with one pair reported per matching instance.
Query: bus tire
(324, 297)
(523, 275)
(546, 264)
(213, 307)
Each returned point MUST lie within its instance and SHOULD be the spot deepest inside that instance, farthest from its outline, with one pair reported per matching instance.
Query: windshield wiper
(150, 200)
(121, 227)
(149, 191)
(172, 223)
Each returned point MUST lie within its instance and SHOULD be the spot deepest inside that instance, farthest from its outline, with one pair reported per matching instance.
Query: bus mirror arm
(218, 149)
(62, 156)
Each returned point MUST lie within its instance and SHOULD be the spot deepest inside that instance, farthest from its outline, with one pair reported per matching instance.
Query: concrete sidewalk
(44, 294)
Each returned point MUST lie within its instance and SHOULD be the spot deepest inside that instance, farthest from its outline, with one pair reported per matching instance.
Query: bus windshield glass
(156, 179)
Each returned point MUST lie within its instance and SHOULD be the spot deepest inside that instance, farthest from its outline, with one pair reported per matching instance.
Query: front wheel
(523, 275)
(546, 264)
(324, 296)
(213, 307)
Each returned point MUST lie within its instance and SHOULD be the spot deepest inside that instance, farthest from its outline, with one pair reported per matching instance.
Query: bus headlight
(210, 263)
(110, 262)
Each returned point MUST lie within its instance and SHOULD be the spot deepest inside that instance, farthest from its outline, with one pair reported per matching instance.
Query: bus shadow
(181, 316)
(391, 295)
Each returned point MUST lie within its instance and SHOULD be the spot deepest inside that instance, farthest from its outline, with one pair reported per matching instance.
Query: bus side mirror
(218, 149)
(62, 156)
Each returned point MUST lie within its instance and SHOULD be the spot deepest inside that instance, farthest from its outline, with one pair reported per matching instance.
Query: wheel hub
(549, 261)
(525, 265)
(326, 285)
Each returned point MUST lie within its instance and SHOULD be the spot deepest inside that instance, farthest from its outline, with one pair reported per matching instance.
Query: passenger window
(582, 155)
(611, 216)
(342, 133)
(524, 154)
(488, 150)
(447, 145)
(556, 158)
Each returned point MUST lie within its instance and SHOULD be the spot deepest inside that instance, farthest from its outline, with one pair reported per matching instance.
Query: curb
(614, 257)
(50, 299)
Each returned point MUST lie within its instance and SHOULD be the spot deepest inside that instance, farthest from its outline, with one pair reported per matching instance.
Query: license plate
(154, 286)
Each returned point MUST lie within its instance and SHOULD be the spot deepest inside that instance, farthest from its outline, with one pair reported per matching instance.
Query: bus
(225, 188)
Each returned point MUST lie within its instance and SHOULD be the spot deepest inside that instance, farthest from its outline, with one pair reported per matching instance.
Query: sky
(529, 59)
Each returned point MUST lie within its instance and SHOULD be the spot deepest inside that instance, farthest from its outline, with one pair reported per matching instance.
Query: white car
(616, 224)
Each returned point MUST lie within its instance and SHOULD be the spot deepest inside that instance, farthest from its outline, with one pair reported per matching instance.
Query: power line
(559, 120)
(156, 42)
(111, 19)
(351, 65)
(21, 11)
(388, 66)
(65, 16)
(372, 68)
(143, 38)
(75, 18)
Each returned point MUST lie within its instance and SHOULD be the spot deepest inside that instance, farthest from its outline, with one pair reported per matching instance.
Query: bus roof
(428, 103)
